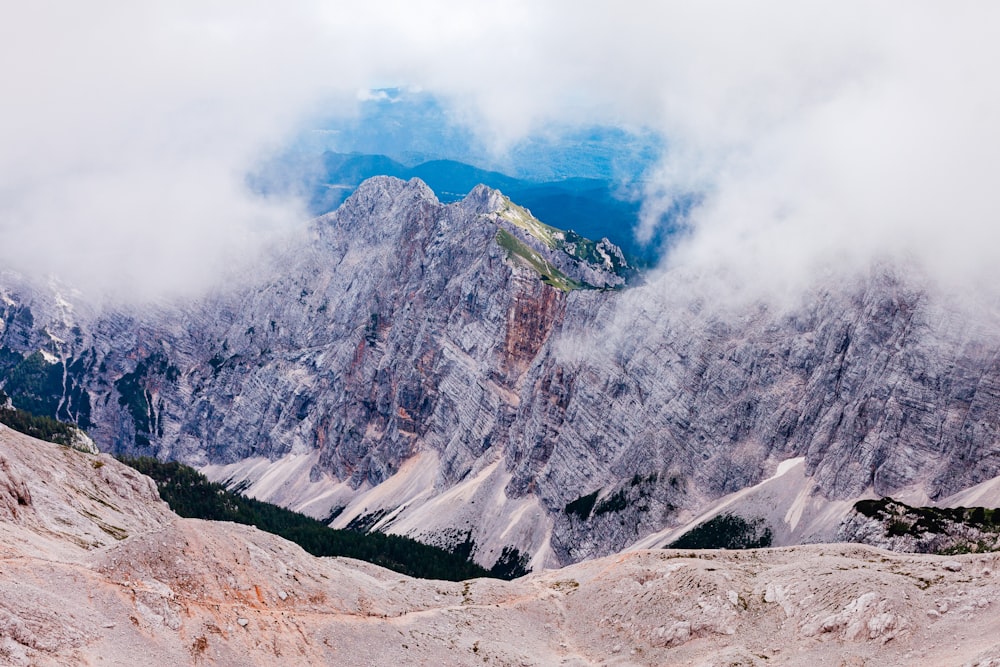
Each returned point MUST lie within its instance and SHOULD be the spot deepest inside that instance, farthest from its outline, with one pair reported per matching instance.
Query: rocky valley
(465, 371)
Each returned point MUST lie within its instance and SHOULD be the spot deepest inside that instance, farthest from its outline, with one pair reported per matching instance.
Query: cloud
(881, 150)
(823, 135)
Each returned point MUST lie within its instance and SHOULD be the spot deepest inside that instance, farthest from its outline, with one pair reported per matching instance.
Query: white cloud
(892, 157)
(817, 134)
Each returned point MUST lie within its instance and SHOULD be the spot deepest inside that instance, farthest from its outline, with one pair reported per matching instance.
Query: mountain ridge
(592, 207)
(404, 365)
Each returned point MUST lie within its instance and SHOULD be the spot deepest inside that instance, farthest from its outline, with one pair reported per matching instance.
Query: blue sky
(818, 134)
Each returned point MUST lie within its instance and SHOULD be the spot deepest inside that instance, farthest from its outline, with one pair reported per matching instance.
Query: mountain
(592, 207)
(463, 371)
(96, 569)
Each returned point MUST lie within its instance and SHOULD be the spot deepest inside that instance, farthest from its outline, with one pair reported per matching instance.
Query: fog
(817, 140)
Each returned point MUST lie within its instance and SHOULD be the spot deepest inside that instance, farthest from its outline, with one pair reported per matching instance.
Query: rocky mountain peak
(392, 191)
(482, 200)
(409, 213)
(464, 370)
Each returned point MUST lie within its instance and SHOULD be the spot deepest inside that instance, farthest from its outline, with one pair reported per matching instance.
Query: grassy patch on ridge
(549, 273)
(521, 217)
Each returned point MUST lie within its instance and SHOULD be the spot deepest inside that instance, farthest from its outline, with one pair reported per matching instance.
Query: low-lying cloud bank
(816, 139)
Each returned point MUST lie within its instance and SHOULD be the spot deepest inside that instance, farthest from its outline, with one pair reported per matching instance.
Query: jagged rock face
(366, 343)
(874, 385)
(405, 326)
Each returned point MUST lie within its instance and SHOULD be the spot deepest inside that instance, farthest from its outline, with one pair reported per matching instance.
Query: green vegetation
(569, 242)
(586, 250)
(46, 389)
(521, 217)
(634, 495)
(919, 520)
(36, 385)
(969, 528)
(133, 395)
(363, 523)
(582, 506)
(616, 502)
(726, 531)
(549, 273)
(76, 407)
(8, 360)
(190, 494)
(43, 428)
(511, 564)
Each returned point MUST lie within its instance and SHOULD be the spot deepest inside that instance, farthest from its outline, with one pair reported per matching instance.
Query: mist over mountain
(464, 369)
(835, 135)
(539, 283)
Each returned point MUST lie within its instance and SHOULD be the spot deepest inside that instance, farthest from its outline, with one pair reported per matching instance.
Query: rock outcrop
(890, 524)
(464, 369)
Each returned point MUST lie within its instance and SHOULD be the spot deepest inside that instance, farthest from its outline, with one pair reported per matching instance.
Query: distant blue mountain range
(414, 127)
(591, 207)
(586, 179)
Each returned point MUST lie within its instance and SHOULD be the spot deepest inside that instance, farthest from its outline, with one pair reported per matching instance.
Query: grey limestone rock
(403, 325)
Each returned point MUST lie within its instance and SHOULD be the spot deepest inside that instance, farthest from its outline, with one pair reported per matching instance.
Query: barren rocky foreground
(96, 570)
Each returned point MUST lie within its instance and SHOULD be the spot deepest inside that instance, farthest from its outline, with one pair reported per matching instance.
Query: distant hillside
(192, 496)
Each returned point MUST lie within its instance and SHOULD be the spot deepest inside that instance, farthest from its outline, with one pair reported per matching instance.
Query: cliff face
(449, 350)
(881, 389)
